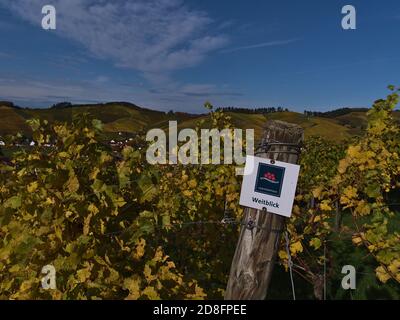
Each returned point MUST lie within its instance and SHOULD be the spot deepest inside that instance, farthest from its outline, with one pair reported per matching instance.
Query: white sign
(270, 185)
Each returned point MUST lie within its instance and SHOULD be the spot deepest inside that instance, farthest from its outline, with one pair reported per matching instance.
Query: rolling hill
(126, 117)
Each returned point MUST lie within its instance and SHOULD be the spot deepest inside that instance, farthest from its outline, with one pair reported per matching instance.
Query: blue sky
(176, 54)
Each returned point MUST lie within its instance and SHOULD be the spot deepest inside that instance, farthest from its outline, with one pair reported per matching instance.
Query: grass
(12, 122)
(328, 128)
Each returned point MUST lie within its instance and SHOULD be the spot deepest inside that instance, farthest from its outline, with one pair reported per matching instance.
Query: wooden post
(260, 234)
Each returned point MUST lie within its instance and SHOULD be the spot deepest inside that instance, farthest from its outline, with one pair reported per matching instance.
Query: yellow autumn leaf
(350, 192)
(86, 224)
(317, 192)
(26, 285)
(317, 218)
(187, 193)
(354, 151)
(296, 247)
(49, 201)
(151, 293)
(94, 173)
(148, 275)
(140, 249)
(58, 233)
(32, 187)
(382, 275)
(105, 158)
(83, 274)
(72, 184)
(102, 226)
(192, 183)
(198, 293)
(362, 208)
(343, 165)
(119, 202)
(282, 255)
(158, 256)
(231, 197)
(394, 267)
(296, 209)
(14, 268)
(357, 240)
(324, 205)
(63, 154)
(133, 285)
(93, 209)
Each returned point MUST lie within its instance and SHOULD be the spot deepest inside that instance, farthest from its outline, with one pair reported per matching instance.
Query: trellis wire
(290, 264)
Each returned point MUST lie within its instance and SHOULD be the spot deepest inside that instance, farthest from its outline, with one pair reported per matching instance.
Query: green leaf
(72, 184)
(316, 243)
(97, 124)
(14, 202)
(373, 190)
(148, 189)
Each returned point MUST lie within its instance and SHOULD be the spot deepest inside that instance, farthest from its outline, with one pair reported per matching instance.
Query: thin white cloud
(152, 37)
(261, 45)
(206, 90)
(4, 55)
(146, 35)
(101, 79)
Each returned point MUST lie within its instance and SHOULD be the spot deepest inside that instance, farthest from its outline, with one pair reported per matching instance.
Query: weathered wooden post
(260, 234)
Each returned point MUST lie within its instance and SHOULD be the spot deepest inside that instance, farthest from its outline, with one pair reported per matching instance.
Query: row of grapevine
(115, 227)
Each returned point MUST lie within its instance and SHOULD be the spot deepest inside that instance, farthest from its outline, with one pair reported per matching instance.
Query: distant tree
(61, 105)
(7, 104)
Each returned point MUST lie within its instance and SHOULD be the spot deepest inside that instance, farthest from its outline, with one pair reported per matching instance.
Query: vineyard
(116, 227)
